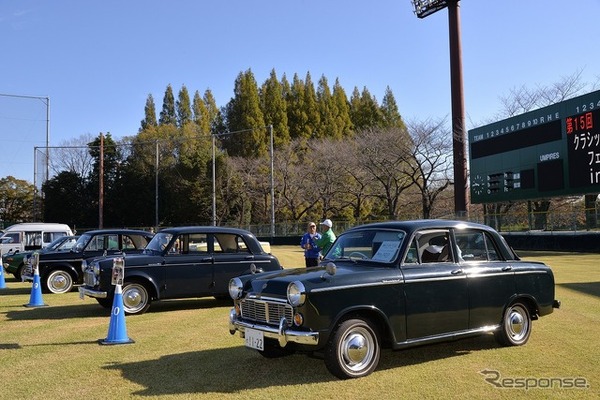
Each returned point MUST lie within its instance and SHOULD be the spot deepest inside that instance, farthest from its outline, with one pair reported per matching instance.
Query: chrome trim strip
(83, 291)
(445, 336)
(279, 333)
(437, 279)
(382, 283)
(530, 272)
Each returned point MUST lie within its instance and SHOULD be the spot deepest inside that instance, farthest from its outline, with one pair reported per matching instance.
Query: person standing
(308, 243)
(327, 237)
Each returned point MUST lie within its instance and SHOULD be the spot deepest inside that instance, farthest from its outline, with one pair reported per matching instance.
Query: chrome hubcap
(357, 349)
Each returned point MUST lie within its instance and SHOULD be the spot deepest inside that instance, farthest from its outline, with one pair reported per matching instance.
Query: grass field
(183, 350)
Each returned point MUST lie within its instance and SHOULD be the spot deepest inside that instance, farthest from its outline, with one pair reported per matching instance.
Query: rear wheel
(516, 326)
(59, 281)
(136, 298)
(353, 350)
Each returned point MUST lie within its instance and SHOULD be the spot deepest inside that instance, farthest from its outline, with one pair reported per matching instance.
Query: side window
(33, 239)
(475, 246)
(228, 243)
(196, 243)
(434, 247)
(412, 256)
(128, 243)
(52, 236)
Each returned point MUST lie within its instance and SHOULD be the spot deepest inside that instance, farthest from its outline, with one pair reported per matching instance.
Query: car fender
(373, 313)
(46, 269)
(141, 276)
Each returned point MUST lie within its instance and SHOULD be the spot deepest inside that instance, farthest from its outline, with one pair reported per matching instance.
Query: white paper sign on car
(386, 251)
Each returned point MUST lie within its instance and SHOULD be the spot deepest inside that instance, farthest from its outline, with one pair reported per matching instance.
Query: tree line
(349, 159)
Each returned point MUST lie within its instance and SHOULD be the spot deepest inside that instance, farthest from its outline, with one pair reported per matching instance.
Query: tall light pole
(423, 8)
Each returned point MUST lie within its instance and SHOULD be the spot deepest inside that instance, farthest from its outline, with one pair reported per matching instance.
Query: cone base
(35, 305)
(109, 342)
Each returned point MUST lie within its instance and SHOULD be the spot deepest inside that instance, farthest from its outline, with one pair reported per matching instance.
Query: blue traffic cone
(2, 281)
(35, 300)
(117, 331)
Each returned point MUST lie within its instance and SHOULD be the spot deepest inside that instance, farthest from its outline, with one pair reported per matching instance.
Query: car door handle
(457, 271)
(507, 268)
(206, 259)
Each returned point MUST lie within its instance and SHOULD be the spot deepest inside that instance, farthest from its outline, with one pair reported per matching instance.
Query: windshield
(81, 242)
(159, 242)
(372, 245)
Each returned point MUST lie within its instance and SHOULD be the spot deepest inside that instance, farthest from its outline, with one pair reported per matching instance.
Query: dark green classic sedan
(393, 284)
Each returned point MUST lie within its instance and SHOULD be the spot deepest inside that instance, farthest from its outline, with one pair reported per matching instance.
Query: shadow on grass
(591, 288)
(8, 291)
(51, 312)
(231, 370)
(92, 309)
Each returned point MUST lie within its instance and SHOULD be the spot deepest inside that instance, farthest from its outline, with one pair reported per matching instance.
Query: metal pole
(461, 198)
(156, 188)
(101, 184)
(272, 185)
(214, 186)
(47, 138)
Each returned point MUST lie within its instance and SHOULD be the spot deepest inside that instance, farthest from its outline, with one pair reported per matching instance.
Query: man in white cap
(327, 236)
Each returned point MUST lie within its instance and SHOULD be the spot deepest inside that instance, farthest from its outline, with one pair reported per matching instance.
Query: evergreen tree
(327, 111)
(342, 106)
(274, 109)
(389, 111)
(245, 119)
(200, 114)
(297, 118)
(183, 107)
(149, 114)
(364, 110)
(214, 115)
(311, 108)
(167, 115)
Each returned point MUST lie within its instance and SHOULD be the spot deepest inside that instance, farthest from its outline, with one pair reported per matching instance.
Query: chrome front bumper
(282, 334)
(98, 294)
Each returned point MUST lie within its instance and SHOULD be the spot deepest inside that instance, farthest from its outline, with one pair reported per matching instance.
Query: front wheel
(353, 350)
(516, 326)
(105, 303)
(59, 281)
(136, 298)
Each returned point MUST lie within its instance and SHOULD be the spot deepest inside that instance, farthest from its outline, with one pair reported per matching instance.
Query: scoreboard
(552, 151)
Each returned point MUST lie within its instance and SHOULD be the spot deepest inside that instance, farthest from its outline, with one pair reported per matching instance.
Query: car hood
(276, 283)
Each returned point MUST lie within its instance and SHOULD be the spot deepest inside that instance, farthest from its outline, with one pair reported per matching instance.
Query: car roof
(412, 225)
(117, 231)
(206, 229)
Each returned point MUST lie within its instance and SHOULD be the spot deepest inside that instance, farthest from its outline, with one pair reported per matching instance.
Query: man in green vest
(327, 237)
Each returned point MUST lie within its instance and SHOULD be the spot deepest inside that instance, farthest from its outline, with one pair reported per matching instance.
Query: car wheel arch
(528, 301)
(373, 314)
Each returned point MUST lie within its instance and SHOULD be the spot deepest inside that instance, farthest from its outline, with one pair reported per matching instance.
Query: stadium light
(423, 8)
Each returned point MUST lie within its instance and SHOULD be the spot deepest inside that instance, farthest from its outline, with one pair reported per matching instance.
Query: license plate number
(254, 339)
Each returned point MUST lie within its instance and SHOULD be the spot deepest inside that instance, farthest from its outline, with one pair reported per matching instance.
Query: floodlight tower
(423, 8)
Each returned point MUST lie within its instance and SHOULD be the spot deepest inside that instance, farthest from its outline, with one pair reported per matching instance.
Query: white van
(31, 236)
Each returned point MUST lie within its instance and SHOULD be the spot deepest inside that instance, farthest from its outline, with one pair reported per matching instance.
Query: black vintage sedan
(60, 271)
(393, 284)
(183, 262)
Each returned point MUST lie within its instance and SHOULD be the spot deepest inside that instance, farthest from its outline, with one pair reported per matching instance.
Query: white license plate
(254, 339)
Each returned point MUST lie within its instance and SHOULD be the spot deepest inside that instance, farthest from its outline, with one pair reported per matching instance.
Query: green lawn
(183, 350)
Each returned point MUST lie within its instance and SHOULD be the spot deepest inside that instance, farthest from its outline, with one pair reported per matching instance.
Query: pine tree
(342, 106)
(167, 115)
(311, 108)
(183, 107)
(245, 119)
(297, 117)
(327, 111)
(149, 114)
(274, 107)
(200, 114)
(389, 111)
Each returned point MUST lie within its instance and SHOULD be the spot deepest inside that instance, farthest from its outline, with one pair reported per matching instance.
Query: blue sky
(97, 61)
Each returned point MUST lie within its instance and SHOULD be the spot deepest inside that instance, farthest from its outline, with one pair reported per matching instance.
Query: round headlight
(235, 288)
(96, 268)
(296, 293)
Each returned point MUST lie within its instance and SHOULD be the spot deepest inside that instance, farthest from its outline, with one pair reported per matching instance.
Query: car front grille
(89, 279)
(268, 312)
